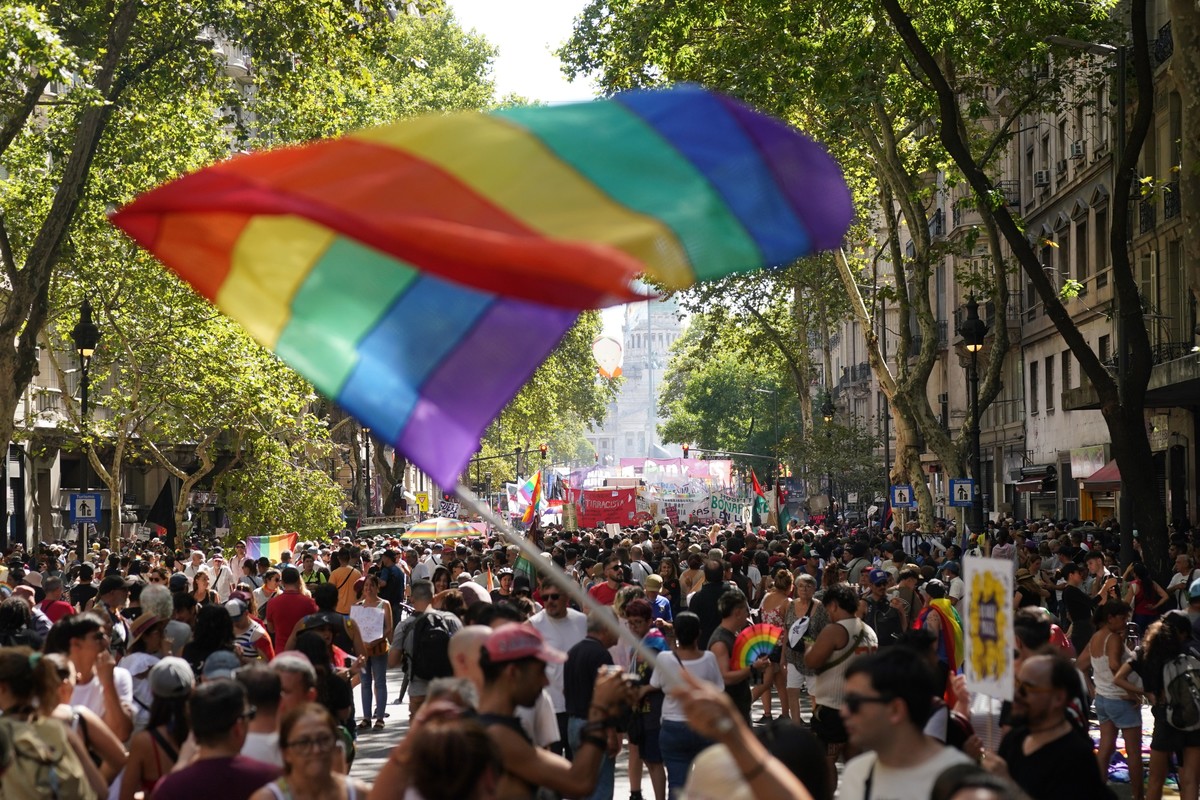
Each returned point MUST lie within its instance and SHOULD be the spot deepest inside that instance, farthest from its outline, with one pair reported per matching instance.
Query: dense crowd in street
(161, 674)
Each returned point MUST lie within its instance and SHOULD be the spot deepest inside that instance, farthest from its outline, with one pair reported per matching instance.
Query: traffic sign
(85, 507)
(962, 492)
(902, 496)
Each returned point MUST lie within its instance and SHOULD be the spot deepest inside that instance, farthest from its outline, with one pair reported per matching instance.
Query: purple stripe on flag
(808, 176)
(473, 384)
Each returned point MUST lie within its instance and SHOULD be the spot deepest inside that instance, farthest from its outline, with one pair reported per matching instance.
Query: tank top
(281, 791)
(1102, 674)
(829, 686)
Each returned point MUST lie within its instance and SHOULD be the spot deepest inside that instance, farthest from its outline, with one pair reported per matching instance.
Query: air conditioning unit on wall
(1078, 149)
(1041, 178)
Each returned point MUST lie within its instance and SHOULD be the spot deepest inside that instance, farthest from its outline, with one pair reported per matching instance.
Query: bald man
(464, 653)
(539, 722)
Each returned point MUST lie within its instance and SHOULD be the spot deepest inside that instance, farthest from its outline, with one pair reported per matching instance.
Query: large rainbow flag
(418, 273)
(534, 488)
(271, 546)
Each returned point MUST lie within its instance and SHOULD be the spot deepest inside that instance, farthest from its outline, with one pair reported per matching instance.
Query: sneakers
(635, 795)
(378, 724)
(765, 719)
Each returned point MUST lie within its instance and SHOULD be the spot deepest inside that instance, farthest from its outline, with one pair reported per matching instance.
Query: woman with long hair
(101, 744)
(1166, 639)
(204, 595)
(28, 682)
(678, 743)
(1116, 707)
(440, 578)
(668, 570)
(374, 677)
(308, 736)
(213, 632)
(692, 577)
(154, 751)
(772, 612)
(1145, 595)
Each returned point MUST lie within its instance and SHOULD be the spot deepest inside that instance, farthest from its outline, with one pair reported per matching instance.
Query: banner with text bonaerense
(728, 508)
(602, 506)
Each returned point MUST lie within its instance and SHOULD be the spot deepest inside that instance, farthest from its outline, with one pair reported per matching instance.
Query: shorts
(1122, 713)
(796, 679)
(828, 726)
(647, 744)
(1169, 739)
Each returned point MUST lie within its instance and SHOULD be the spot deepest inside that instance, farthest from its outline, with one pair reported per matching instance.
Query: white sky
(527, 32)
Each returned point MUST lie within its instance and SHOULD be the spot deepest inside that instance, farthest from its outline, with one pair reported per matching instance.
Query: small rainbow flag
(535, 499)
(271, 547)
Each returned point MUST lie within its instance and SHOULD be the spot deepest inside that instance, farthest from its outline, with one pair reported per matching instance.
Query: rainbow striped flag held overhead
(419, 273)
(271, 546)
(533, 491)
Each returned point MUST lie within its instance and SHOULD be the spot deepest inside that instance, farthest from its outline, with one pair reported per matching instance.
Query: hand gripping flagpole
(562, 580)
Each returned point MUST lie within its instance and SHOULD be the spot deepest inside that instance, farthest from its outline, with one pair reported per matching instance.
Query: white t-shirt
(887, 783)
(539, 721)
(263, 747)
(666, 673)
(91, 694)
(561, 634)
(957, 588)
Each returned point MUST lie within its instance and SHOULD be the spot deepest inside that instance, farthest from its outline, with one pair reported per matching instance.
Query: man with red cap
(513, 662)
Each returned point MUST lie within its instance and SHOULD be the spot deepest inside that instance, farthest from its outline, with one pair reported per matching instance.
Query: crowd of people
(177, 674)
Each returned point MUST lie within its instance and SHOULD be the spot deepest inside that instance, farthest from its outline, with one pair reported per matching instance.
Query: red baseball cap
(515, 641)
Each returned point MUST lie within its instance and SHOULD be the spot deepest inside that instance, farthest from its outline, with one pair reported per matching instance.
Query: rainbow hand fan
(753, 643)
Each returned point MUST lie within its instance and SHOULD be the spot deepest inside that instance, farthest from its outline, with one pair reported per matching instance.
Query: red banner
(600, 506)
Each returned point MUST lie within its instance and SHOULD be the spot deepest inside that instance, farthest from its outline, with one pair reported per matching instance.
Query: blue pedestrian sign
(962, 492)
(85, 508)
(902, 496)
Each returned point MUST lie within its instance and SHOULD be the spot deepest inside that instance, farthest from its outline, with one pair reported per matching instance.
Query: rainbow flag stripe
(271, 546)
(418, 273)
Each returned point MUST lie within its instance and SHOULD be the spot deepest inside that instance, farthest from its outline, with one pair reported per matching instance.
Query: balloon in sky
(608, 354)
(418, 273)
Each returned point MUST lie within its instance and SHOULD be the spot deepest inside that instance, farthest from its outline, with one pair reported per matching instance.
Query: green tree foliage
(564, 398)
(103, 101)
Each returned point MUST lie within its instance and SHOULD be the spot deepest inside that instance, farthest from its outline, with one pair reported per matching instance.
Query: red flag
(758, 490)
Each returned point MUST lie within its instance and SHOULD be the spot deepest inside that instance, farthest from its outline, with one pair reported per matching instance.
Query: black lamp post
(973, 331)
(827, 413)
(367, 441)
(85, 336)
(517, 463)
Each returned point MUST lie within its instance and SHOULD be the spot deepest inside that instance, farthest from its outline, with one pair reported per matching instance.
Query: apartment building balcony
(1171, 200)
(937, 224)
(917, 339)
(1163, 45)
(964, 216)
(1011, 190)
(1174, 380)
(1147, 215)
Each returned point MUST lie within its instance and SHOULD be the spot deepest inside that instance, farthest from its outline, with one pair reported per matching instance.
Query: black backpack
(431, 647)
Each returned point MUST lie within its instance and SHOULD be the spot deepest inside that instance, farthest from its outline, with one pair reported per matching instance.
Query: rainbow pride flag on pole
(533, 510)
(418, 273)
(271, 547)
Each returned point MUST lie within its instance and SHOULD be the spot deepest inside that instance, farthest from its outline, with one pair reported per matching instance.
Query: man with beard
(1044, 753)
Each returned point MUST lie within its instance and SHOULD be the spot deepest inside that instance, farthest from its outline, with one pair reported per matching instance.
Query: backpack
(43, 763)
(431, 647)
(1181, 692)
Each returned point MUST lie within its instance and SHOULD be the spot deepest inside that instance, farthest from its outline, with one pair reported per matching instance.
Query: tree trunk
(391, 476)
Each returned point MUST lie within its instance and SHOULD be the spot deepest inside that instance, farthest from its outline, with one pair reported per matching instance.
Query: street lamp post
(827, 413)
(85, 336)
(367, 462)
(775, 448)
(973, 331)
